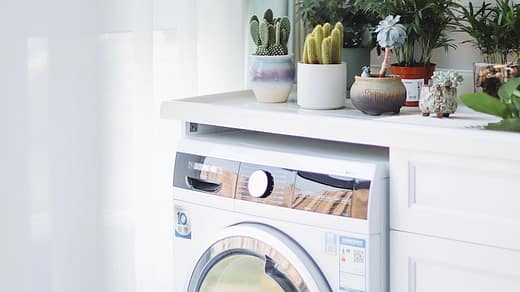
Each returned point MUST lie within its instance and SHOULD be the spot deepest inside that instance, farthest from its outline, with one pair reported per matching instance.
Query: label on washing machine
(331, 244)
(182, 222)
(352, 256)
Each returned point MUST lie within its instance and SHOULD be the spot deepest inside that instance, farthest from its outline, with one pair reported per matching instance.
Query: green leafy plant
(494, 29)
(507, 108)
(323, 45)
(357, 24)
(271, 35)
(427, 24)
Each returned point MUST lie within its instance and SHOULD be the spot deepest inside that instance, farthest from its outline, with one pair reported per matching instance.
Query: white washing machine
(262, 212)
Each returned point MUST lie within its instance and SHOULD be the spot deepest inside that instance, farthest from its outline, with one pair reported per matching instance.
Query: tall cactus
(326, 30)
(335, 47)
(323, 46)
(318, 34)
(271, 35)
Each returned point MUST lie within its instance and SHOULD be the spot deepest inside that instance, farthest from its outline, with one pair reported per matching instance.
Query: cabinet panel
(456, 197)
(426, 264)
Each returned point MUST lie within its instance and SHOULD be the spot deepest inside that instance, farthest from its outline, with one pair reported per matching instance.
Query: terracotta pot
(376, 95)
(411, 76)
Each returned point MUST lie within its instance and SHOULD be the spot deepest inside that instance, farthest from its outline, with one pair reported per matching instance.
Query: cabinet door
(460, 197)
(426, 264)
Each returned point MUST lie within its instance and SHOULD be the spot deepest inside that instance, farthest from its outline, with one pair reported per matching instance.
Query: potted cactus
(322, 74)
(272, 68)
(381, 93)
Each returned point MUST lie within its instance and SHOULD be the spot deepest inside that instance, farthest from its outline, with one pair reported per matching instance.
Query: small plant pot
(489, 77)
(376, 95)
(322, 86)
(441, 101)
(414, 78)
(272, 77)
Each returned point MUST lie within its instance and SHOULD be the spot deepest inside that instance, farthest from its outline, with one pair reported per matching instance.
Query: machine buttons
(260, 184)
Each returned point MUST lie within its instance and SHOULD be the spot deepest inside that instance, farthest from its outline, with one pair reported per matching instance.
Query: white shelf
(462, 133)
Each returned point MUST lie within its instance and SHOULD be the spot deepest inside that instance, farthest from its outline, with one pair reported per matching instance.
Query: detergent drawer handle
(324, 179)
(202, 185)
(271, 269)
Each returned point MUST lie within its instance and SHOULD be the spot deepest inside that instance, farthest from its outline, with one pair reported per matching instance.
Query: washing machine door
(256, 257)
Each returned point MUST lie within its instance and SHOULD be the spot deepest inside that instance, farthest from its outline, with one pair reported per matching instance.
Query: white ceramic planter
(322, 86)
(272, 77)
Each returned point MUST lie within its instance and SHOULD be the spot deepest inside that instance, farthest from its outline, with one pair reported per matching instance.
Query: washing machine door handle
(202, 185)
(271, 269)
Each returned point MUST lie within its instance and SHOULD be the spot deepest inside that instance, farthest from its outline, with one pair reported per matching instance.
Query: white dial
(260, 184)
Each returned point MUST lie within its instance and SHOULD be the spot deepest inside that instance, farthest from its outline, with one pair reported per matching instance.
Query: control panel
(288, 188)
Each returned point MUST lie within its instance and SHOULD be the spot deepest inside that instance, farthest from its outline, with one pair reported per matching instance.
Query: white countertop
(461, 133)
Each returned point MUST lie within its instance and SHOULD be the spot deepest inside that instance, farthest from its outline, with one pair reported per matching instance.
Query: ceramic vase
(271, 77)
(322, 86)
(376, 95)
(441, 101)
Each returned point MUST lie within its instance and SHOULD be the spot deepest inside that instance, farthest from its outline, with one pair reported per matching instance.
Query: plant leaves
(506, 91)
(511, 125)
(484, 103)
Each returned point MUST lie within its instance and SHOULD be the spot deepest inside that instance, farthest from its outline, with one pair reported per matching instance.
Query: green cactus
(255, 31)
(264, 35)
(285, 25)
(268, 16)
(326, 30)
(318, 34)
(339, 26)
(326, 50)
(336, 47)
(276, 49)
(271, 35)
(319, 49)
(312, 49)
(305, 57)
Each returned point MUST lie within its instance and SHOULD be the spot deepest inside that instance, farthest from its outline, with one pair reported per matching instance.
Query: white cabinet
(421, 263)
(455, 223)
(459, 197)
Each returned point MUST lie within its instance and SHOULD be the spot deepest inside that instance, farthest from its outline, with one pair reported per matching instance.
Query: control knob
(260, 184)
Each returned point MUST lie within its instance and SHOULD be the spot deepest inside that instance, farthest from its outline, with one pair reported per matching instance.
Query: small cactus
(271, 35)
(335, 47)
(323, 46)
(326, 50)
(255, 31)
(268, 16)
(326, 30)
(312, 50)
(318, 34)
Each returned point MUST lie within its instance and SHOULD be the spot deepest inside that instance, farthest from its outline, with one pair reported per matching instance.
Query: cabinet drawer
(465, 198)
(426, 264)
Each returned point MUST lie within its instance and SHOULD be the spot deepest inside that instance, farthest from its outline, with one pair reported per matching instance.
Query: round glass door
(240, 273)
(252, 257)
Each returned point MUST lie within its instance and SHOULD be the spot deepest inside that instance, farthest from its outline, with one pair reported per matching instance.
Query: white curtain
(85, 161)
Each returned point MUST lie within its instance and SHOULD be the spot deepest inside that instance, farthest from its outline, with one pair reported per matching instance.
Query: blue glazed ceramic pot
(272, 77)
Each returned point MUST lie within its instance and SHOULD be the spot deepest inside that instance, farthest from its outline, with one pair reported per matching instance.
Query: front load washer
(264, 212)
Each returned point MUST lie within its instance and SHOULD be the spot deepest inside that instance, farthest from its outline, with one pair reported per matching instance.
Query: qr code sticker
(358, 256)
